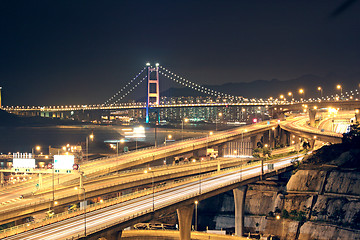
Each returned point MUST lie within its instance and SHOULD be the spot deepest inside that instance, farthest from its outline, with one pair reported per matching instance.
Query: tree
(285, 213)
(353, 136)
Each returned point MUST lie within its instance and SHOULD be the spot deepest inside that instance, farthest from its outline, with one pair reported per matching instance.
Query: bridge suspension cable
(180, 80)
(130, 90)
(122, 89)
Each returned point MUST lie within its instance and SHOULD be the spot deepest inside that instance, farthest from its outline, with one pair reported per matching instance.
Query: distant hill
(12, 120)
(275, 87)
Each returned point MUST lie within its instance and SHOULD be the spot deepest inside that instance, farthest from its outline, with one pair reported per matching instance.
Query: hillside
(275, 87)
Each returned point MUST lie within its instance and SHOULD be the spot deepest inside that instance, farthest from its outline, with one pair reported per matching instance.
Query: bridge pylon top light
(147, 64)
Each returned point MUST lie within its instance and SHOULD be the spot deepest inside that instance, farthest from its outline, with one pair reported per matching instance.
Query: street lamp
(182, 127)
(302, 93)
(196, 213)
(207, 141)
(166, 139)
(37, 148)
(320, 90)
(290, 95)
(117, 145)
(339, 87)
(200, 175)
(153, 190)
(91, 137)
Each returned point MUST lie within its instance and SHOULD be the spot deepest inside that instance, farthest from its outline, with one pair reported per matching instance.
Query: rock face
(318, 202)
(313, 230)
(343, 182)
(306, 181)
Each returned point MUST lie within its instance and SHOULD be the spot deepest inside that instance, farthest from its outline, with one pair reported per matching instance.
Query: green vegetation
(294, 215)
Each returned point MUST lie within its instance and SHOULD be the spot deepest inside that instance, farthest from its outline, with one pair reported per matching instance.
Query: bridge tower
(153, 95)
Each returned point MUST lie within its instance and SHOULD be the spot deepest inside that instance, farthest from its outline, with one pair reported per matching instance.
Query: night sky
(82, 52)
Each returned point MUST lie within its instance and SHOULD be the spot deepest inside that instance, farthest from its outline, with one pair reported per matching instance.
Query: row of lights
(131, 89)
(302, 92)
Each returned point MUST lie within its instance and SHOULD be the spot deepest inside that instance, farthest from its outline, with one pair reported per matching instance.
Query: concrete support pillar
(221, 150)
(284, 137)
(239, 199)
(312, 115)
(266, 137)
(271, 138)
(40, 181)
(185, 217)
(253, 142)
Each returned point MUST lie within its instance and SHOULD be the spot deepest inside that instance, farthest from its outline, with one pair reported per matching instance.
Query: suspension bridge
(151, 75)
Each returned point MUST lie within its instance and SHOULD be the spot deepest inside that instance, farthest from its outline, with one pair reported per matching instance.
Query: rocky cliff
(318, 200)
(321, 200)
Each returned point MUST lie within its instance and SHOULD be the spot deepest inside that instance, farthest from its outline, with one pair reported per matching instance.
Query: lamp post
(37, 148)
(207, 141)
(182, 127)
(167, 138)
(196, 213)
(117, 145)
(282, 97)
(91, 137)
(339, 87)
(200, 175)
(321, 91)
(156, 123)
(153, 188)
(302, 93)
(290, 95)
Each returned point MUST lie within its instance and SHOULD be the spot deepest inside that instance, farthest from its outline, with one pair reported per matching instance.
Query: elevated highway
(124, 161)
(348, 104)
(120, 213)
(68, 194)
(298, 125)
(108, 165)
